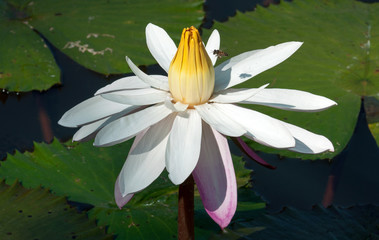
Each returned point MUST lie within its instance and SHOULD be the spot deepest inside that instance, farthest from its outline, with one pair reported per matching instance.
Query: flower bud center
(191, 75)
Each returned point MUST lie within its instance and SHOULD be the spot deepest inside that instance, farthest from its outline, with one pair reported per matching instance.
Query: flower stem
(186, 227)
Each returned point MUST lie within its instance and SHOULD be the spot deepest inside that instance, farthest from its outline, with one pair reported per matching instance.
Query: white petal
(233, 95)
(289, 99)
(213, 44)
(308, 142)
(233, 72)
(146, 161)
(86, 132)
(132, 82)
(160, 45)
(176, 107)
(219, 120)
(260, 127)
(83, 134)
(183, 148)
(127, 127)
(90, 110)
(144, 96)
(155, 82)
(236, 59)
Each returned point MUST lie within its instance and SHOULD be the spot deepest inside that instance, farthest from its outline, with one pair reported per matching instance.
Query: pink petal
(120, 200)
(215, 178)
(250, 152)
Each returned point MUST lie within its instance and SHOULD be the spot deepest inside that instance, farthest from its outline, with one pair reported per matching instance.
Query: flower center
(191, 76)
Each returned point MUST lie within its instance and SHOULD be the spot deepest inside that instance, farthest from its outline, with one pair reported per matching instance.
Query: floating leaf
(37, 214)
(374, 128)
(87, 174)
(97, 34)
(81, 171)
(152, 213)
(25, 63)
(339, 59)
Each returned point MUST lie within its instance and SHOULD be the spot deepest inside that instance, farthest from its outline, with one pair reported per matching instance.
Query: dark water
(351, 177)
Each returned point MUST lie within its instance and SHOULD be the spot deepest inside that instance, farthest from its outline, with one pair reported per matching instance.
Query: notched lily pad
(87, 174)
(152, 213)
(81, 172)
(97, 34)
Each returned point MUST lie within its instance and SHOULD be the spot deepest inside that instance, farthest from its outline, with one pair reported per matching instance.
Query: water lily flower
(180, 122)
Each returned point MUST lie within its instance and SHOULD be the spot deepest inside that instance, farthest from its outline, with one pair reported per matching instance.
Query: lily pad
(339, 59)
(81, 172)
(38, 214)
(25, 63)
(152, 213)
(97, 34)
(374, 128)
(87, 174)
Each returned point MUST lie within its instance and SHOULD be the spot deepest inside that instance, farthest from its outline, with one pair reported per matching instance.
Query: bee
(220, 53)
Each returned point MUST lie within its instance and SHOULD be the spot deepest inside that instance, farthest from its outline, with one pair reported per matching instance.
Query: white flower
(180, 121)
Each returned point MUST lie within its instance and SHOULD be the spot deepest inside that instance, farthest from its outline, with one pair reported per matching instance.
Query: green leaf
(87, 174)
(25, 63)
(37, 214)
(339, 59)
(152, 213)
(374, 128)
(80, 171)
(97, 34)
(242, 174)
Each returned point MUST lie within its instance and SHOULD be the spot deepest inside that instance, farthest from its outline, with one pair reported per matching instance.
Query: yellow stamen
(191, 75)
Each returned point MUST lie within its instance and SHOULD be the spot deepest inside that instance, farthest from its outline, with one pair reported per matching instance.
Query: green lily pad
(97, 34)
(152, 213)
(81, 172)
(87, 174)
(38, 214)
(374, 128)
(339, 59)
(25, 63)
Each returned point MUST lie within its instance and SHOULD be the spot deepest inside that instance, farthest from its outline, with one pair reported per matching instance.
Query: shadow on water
(350, 178)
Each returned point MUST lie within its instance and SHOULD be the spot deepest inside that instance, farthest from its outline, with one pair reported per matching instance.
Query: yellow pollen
(191, 75)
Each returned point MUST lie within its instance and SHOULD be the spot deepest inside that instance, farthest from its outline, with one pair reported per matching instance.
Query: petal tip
(65, 122)
(151, 25)
(96, 142)
(121, 199)
(299, 44)
(331, 149)
(223, 221)
(175, 179)
(61, 122)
